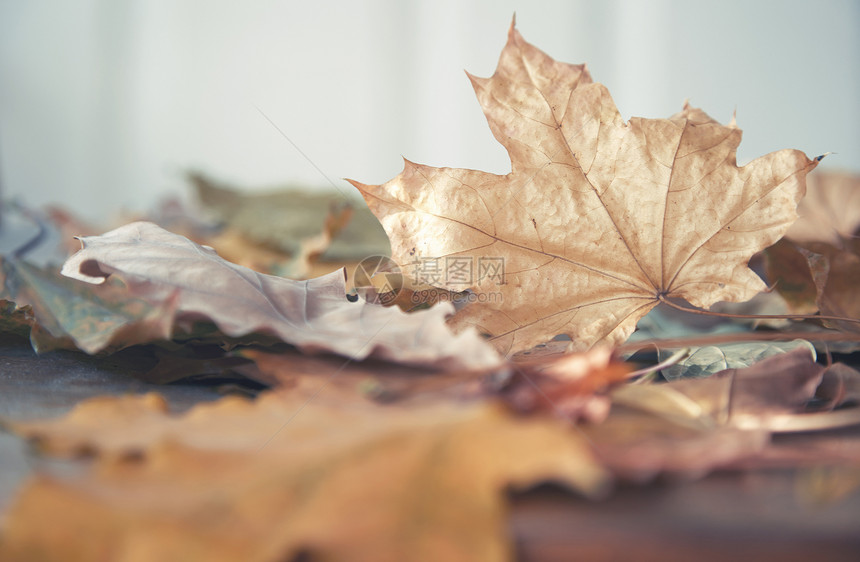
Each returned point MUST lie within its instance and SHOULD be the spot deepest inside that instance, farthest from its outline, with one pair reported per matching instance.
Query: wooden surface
(730, 515)
(726, 516)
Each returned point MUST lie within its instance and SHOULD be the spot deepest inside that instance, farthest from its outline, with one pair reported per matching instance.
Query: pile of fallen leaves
(522, 344)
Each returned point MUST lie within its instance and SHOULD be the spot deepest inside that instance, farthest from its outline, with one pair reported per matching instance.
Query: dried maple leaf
(158, 266)
(599, 219)
(239, 480)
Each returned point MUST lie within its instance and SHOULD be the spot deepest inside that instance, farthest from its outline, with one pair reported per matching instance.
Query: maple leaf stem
(797, 317)
(673, 359)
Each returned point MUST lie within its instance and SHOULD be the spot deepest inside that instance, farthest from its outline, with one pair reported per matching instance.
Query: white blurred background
(104, 104)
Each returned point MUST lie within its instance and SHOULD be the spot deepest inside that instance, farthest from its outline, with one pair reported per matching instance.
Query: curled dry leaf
(824, 435)
(599, 219)
(240, 480)
(817, 265)
(693, 426)
(787, 271)
(775, 394)
(315, 315)
(835, 272)
(818, 276)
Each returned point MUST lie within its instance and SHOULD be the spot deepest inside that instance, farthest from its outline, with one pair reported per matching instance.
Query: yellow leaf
(266, 480)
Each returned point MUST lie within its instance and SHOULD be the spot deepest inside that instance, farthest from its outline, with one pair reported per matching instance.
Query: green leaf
(90, 317)
(705, 361)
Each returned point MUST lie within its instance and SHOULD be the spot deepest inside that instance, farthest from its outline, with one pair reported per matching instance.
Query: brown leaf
(840, 384)
(828, 446)
(313, 315)
(830, 212)
(574, 385)
(776, 394)
(638, 447)
(374, 380)
(835, 272)
(828, 436)
(266, 480)
(693, 426)
(788, 272)
(818, 276)
(747, 398)
(599, 219)
(781, 384)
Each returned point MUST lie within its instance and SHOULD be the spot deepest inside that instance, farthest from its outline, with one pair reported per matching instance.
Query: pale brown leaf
(314, 315)
(835, 272)
(830, 212)
(599, 219)
(788, 272)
